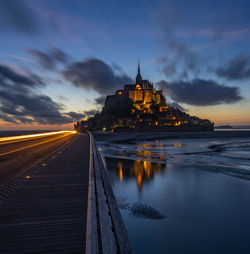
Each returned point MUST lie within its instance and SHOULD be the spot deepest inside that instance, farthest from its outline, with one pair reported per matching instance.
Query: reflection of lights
(120, 171)
(144, 152)
(28, 177)
(35, 135)
(177, 145)
(147, 168)
(141, 170)
(139, 180)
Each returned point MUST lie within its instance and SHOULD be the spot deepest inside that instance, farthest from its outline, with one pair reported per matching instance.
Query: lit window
(138, 87)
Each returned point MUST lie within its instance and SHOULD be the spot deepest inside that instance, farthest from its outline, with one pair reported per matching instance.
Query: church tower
(138, 76)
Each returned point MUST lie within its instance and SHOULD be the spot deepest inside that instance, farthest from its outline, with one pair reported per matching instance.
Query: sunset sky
(60, 58)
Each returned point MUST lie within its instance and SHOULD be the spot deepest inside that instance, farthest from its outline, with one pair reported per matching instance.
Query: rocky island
(140, 107)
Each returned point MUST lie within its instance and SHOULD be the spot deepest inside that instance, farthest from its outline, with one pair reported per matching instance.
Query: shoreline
(137, 136)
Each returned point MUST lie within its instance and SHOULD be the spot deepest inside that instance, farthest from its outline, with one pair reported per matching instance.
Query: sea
(182, 192)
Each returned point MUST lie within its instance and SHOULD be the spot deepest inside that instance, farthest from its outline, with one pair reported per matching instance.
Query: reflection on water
(148, 151)
(158, 144)
(120, 173)
(141, 171)
(183, 195)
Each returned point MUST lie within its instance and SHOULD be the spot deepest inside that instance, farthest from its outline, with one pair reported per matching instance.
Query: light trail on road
(6, 139)
(30, 146)
(19, 153)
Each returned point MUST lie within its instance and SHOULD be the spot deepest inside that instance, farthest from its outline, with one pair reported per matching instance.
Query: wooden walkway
(45, 209)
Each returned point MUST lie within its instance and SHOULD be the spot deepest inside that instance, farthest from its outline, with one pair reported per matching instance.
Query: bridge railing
(106, 232)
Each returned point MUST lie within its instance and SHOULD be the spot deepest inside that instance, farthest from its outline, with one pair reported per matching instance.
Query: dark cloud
(95, 74)
(7, 73)
(28, 108)
(188, 33)
(90, 112)
(117, 67)
(238, 68)
(100, 100)
(7, 118)
(200, 92)
(169, 69)
(198, 18)
(20, 104)
(18, 15)
(50, 59)
(184, 53)
(182, 58)
(45, 60)
(75, 116)
(58, 55)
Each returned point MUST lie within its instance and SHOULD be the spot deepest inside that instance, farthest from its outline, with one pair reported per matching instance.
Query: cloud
(13, 77)
(177, 17)
(50, 59)
(184, 53)
(7, 118)
(58, 55)
(90, 112)
(19, 103)
(42, 58)
(18, 15)
(191, 36)
(100, 100)
(75, 116)
(176, 105)
(201, 92)
(29, 108)
(95, 74)
(238, 68)
(181, 61)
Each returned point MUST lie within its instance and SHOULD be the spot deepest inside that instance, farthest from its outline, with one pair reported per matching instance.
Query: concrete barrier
(106, 232)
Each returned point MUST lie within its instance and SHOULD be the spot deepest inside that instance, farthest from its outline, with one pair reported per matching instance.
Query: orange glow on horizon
(20, 127)
(223, 114)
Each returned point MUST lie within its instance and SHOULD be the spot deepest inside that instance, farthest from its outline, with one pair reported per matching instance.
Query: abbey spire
(138, 76)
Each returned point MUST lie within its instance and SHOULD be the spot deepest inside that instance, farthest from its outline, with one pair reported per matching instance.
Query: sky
(60, 58)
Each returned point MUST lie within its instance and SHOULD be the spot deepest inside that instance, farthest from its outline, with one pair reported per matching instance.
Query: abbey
(142, 94)
(140, 107)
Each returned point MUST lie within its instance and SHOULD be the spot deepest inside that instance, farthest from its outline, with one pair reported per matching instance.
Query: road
(19, 153)
(44, 209)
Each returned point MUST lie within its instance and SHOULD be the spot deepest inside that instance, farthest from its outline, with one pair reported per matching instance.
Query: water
(182, 194)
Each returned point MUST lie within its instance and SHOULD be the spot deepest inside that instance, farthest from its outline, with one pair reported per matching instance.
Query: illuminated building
(142, 93)
(140, 107)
